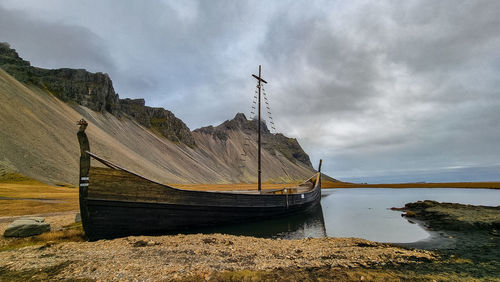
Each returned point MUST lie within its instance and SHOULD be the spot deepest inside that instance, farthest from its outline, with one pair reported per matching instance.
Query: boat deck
(287, 190)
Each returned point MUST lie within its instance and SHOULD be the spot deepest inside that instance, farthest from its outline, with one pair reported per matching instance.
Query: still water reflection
(362, 213)
(303, 225)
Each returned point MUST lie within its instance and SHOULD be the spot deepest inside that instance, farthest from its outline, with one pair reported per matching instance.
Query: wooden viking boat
(115, 202)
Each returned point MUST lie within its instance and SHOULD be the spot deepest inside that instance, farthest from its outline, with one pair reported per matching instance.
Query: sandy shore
(183, 256)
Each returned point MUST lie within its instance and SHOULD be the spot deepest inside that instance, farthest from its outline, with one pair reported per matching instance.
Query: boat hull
(111, 219)
(119, 203)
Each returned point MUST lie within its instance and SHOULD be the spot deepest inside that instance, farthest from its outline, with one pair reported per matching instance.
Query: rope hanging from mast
(254, 104)
(268, 107)
(266, 101)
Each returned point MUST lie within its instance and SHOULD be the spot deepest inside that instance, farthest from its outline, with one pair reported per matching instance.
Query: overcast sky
(383, 91)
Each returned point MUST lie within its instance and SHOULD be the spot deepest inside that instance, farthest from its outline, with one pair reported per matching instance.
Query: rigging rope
(254, 104)
(243, 158)
(268, 107)
(266, 104)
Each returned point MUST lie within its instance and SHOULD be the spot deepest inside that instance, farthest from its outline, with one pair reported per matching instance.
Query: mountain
(38, 113)
(94, 91)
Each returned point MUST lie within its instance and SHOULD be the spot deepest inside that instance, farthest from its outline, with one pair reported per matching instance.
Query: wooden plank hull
(117, 219)
(118, 203)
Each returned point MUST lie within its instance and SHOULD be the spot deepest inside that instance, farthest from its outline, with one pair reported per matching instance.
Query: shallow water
(365, 213)
(45, 200)
(362, 213)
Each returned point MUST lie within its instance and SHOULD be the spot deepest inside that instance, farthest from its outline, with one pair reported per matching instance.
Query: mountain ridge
(289, 147)
(95, 91)
(211, 154)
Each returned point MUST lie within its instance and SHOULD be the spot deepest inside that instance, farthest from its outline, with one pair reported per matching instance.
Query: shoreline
(454, 185)
(448, 254)
(202, 256)
(437, 240)
(466, 232)
(384, 187)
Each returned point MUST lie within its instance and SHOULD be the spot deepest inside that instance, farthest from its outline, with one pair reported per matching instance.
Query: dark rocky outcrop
(239, 122)
(158, 120)
(93, 90)
(9, 57)
(289, 147)
(215, 132)
(453, 216)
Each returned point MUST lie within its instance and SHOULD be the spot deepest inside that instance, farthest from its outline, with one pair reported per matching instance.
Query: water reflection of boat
(307, 224)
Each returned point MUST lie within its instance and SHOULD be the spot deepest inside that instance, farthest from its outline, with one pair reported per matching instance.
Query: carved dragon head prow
(83, 124)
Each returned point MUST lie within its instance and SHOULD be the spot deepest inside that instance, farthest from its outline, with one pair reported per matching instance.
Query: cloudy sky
(383, 91)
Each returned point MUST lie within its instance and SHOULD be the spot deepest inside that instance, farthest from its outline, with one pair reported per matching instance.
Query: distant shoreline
(463, 185)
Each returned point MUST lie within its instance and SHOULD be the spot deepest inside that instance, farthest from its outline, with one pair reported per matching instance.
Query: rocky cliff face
(159, 120)
(273, 143)
(94, 91)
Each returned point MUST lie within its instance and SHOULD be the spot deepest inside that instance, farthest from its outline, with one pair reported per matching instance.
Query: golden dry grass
(30, 197)
(73, 234)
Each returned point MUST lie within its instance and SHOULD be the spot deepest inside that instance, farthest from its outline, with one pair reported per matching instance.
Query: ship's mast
(260, 80)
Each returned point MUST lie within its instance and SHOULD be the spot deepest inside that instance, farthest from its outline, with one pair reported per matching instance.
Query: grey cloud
(320, 70)
(444, 49)
(444, 35)
(53, 45)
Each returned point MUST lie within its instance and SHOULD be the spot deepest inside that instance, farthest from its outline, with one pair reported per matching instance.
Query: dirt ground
(201, 256)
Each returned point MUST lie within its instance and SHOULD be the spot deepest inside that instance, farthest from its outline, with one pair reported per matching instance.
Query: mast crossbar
(259, 78)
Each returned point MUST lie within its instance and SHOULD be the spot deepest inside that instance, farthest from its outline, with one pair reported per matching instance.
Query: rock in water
(28, 226)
